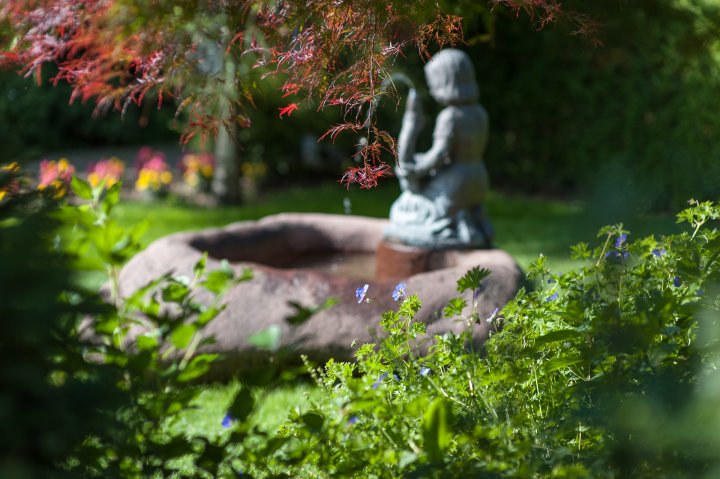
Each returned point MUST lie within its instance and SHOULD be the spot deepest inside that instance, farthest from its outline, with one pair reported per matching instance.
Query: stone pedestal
(397, 261)
(268, 246)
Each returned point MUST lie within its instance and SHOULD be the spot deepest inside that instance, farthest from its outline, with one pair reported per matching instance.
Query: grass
(524, 227)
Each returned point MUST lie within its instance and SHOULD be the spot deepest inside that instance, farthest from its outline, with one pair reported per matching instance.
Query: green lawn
(525, 227)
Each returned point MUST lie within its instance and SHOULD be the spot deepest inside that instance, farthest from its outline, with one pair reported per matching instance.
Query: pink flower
(56, 174)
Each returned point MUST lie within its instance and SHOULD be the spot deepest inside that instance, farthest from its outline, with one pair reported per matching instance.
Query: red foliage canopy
(200, 52)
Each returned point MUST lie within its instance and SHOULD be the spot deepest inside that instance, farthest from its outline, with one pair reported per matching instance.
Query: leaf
(219, 280)
(243, 405)
(182, 335)
(208, 315)
(313, 421)
(146, 342)
(112, 196)
(246, 275)
(472, 279)
(197, 367)
(436, 431)
(81, 188)
(303, 313)
(135, 299)
(560, 335)
(406, 458)
(175, 292)
(454, 307)
(106, 326)
(199, 267)
(268, 338)
(560, 363)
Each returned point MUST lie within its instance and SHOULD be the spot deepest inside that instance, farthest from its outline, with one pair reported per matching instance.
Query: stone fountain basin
(289, 253)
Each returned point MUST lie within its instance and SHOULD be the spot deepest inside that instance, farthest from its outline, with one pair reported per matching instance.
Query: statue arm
(439, 154)
(412, 123)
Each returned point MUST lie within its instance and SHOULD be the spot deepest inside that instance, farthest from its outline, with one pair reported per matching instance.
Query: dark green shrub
(40, 119)
(628, 123)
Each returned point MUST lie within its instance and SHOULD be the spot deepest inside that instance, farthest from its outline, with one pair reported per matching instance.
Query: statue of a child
(444, 189)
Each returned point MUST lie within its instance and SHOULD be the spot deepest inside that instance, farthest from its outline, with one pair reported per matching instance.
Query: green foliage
(604, 371)
(49, 393)
(158, 365)
(94, 398)
(471, 280)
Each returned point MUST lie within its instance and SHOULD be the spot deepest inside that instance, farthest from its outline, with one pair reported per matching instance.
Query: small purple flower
(352, 420)
(396, 377)
(492, 315)
(617, 256)
(677, 282)
(424, 371)
(228, 421)
(552, 298)
(620, 241)
(476, 294)
(380, 380)
(551, 281)
(399, 292)
(361, 292)
(659, 251)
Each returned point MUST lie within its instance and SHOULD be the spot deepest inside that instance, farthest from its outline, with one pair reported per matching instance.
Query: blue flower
(659, 251)
(551, 281)
(360, 293)
(424, 371)
(352, 420)
(399, 292)
(677, 281)
(228, 421)
(380, 380)
(620, 241)
(552, 298)
(617, 256)
(699, 292)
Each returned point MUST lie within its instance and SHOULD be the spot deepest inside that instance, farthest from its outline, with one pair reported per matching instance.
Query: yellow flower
(11, 168)
(94, 179)
(192, 179)
(63, 164)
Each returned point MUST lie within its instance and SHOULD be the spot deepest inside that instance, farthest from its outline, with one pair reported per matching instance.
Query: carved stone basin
(307, 258)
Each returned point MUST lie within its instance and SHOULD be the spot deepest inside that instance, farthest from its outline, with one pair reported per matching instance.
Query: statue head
(451, 78)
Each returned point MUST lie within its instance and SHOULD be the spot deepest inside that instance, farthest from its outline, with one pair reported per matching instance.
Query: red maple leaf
(288, 109)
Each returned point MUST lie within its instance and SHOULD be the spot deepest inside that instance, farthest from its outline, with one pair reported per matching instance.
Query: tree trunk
(226, 181)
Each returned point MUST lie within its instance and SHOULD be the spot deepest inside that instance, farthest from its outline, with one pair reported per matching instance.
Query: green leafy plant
(112, 374)
(567, 386)
(153, 338)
